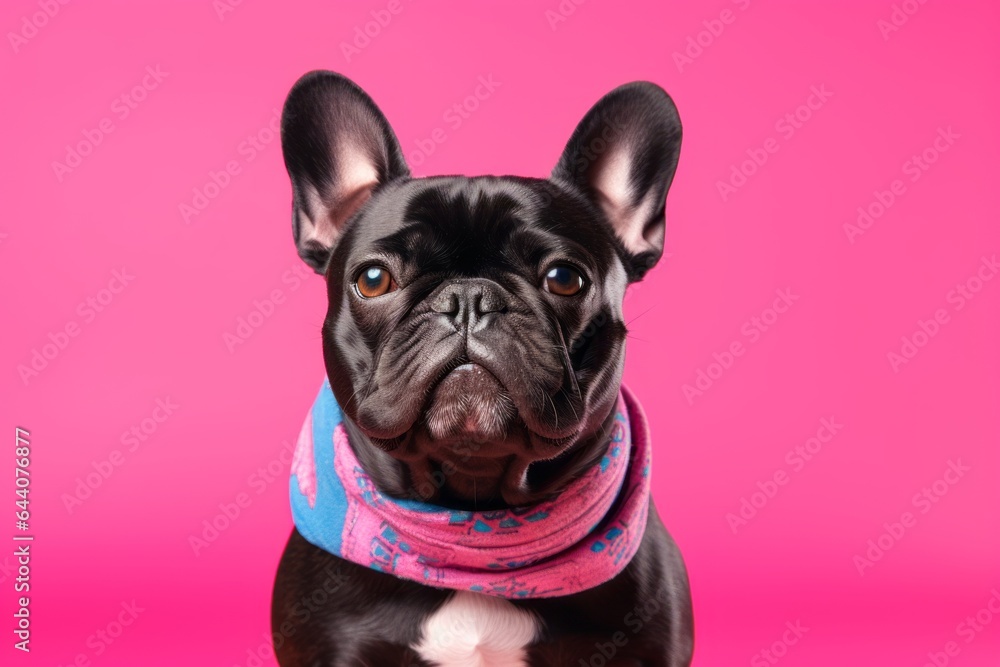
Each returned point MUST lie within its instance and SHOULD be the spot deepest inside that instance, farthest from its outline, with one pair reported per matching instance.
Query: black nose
(469, 301)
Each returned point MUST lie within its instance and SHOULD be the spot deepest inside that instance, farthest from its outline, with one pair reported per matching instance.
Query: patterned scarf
(580, 539)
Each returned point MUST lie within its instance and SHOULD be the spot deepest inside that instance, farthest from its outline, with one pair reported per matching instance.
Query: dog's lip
(464, 365)
(545, 438)
(459, 365)
(392, 441)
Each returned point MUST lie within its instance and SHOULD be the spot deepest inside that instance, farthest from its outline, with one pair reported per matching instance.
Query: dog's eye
(563, 280)
(374, 281)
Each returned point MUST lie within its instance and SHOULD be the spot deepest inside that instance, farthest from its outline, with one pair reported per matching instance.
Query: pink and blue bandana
(578, 540)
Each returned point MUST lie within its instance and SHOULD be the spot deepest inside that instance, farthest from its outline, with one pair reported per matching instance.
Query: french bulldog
(474, 340)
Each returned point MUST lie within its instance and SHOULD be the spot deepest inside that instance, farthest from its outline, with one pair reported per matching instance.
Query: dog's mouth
(465, 403)
(478, 447)
(479, 438)
(469, 403)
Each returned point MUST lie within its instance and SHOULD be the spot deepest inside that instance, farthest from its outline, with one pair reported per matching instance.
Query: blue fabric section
(323, 524)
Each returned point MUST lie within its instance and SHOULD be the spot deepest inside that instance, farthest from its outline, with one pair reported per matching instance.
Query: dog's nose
(468, 301)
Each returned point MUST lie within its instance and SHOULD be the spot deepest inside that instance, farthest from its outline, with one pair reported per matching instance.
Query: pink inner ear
(355, 170)
(356, 178)
(304, 464)
(610, 180)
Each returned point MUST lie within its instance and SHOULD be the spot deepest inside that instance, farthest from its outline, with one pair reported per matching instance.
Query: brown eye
(374, 281)
(563, 280)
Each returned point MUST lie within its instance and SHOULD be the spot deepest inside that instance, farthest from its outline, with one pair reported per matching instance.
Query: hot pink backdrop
(132, 269)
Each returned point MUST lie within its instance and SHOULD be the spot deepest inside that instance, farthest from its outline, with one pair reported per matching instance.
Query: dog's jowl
(471, 486)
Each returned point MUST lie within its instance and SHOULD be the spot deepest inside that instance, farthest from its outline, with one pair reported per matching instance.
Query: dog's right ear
(338, 149)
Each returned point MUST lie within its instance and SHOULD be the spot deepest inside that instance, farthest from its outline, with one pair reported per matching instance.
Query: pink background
(163, 335)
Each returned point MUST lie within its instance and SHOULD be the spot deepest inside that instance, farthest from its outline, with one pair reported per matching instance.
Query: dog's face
(474, 337)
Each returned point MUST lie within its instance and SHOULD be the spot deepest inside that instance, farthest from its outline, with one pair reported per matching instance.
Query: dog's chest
(473, 630)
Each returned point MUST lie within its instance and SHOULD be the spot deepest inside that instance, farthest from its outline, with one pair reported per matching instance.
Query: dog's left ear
(338, 149)
(622, 156)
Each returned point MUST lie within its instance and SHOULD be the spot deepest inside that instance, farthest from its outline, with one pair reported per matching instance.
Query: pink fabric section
(581, 539)
(303, 463)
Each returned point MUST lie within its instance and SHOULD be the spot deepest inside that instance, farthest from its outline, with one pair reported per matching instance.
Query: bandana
(580, 539)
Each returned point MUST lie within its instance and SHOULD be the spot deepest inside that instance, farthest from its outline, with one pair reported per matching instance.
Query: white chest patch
(473, 630)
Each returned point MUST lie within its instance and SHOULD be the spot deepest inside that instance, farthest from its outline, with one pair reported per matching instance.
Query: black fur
(468, 258)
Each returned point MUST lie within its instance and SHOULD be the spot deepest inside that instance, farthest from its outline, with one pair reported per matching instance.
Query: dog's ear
(622, 156)
(338, 149)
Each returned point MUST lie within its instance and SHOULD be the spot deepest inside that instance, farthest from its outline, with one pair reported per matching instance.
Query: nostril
(489, 301)
(446, 304)
(467, 300)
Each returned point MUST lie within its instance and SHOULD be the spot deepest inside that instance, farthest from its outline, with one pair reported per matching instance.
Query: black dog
(521, 282)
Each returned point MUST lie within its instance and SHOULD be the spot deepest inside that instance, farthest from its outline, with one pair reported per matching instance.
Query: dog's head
(474, 337)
